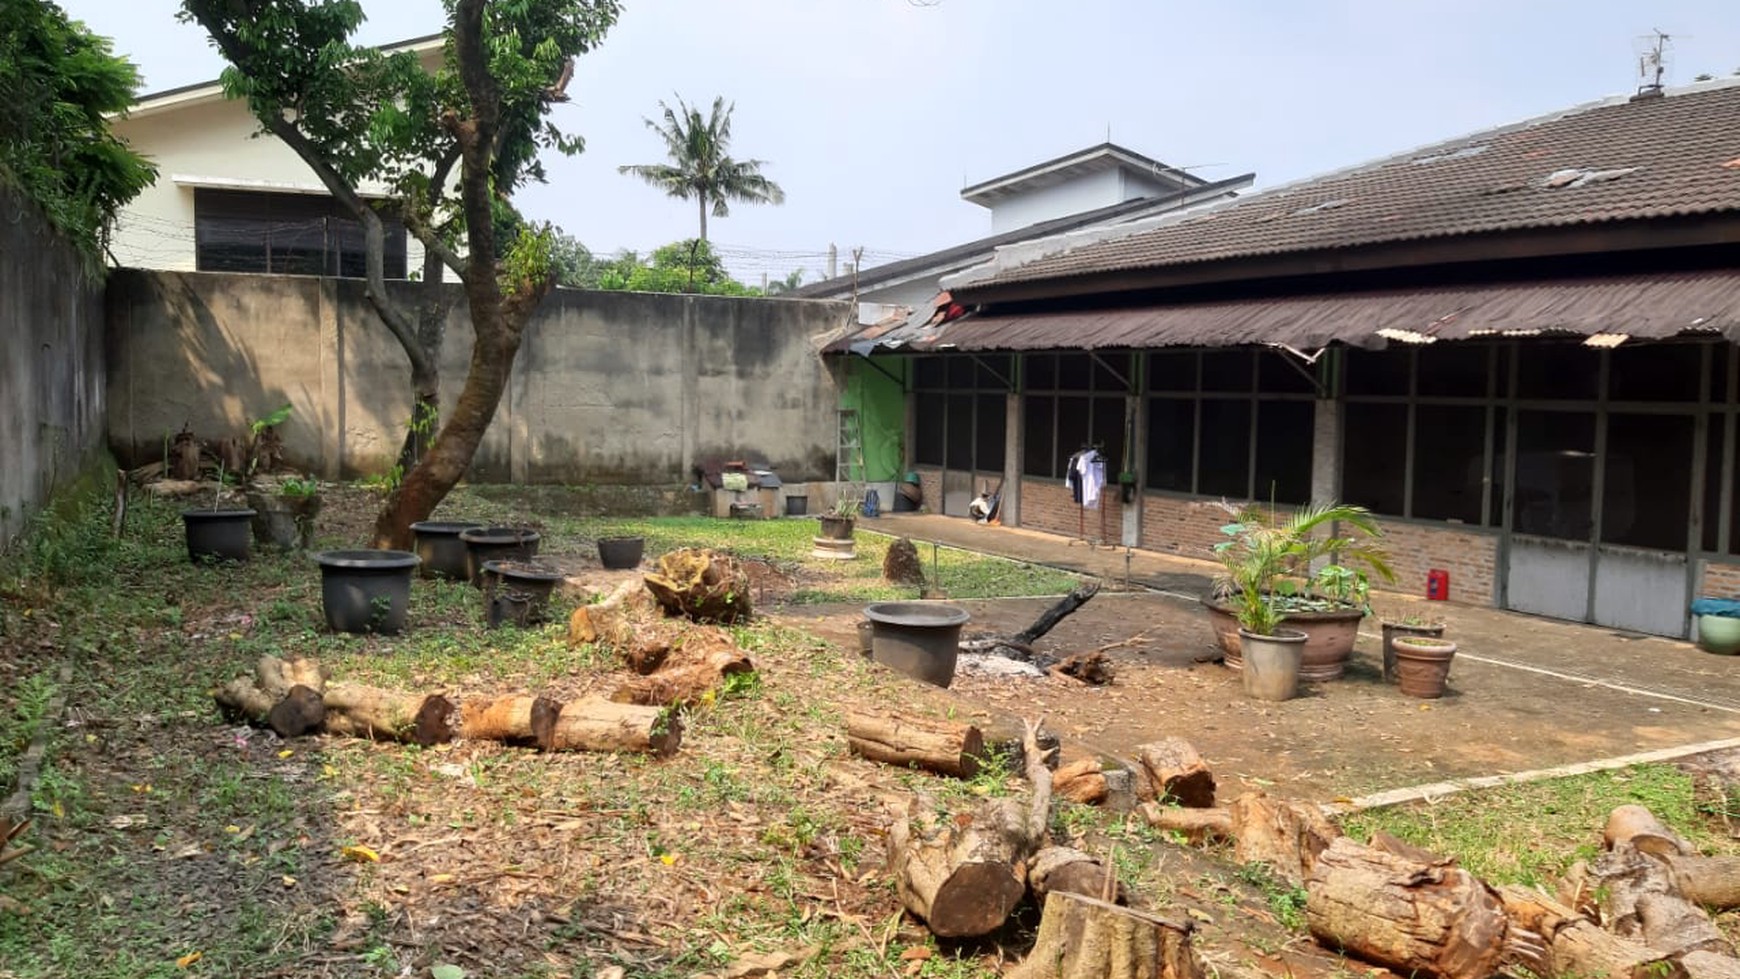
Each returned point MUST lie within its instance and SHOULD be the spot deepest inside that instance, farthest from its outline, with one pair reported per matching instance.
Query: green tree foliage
(356, 114)
(58, 81)
(701, 167)
(681, 266)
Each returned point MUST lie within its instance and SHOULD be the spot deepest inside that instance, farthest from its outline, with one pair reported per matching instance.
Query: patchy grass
(1529, 834)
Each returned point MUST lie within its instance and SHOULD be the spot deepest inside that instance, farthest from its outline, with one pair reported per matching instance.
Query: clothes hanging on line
(1092, 467)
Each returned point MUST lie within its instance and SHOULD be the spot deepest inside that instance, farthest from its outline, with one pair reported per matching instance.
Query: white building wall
(1085, 193)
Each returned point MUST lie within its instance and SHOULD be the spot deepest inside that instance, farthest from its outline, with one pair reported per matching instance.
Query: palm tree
(701, 166)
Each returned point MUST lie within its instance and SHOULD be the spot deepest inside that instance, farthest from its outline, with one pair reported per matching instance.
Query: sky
(873, 114)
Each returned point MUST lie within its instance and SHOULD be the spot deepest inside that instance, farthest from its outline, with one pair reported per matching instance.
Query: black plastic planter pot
(920, 639)
(496, 544)
(218, 535)
(366, 591)
(442, 551)
(621, 553)
(517, 592)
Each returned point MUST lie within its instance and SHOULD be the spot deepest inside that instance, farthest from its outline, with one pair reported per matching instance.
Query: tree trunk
(1085, 782)
(1637, 826)
(1713, 882)
(1430, 920)
(518, 719)
(302, 711)
(1197, 825)
(1638, 899)
(1709, 965)
(1175, 771)
(1062, 868)
(684, 683)
(390, 715)
(1289, 836)
(1576, 946)
(701, 196)
(600, 725)
(963, 874)
(242, 699)
(276, 676)
(1086, 938)
(945, 747)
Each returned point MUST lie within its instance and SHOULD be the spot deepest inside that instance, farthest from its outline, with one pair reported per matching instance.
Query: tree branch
(425, 232)
(476, 137)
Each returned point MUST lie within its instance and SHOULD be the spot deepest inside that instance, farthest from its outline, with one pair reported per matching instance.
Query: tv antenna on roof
(1652, 64)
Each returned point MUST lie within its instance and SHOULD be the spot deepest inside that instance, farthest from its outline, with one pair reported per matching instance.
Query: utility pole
(833, 260)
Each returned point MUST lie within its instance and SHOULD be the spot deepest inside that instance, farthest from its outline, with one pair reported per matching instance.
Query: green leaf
(446, 970)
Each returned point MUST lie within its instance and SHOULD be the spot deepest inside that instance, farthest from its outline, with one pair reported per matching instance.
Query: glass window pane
(1111, 372)
(960, 371)
(1172, 371)
(1655, 372)
(960, 432)
(1500, 435)
(1449, 461)
(1374, 452)
(1719, 372)
(1041, 371)
(1226, 449)
(1647, 481)
(1108, 432)
(1279, 372)
(1036, 436)
(928, 374)
(1226, 370)
(991, 371)
(1171, 436)
(1378, 372)
(1715, 437)
(988, 431)
(1074, 373)
(1553, 370)
(927, 449)
(1074, 424)
(1454, 370)
(1285, 430)
(1555, 474)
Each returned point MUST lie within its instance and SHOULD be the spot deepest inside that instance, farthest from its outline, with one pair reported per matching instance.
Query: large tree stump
(704, 585)
(687, 681)
(611, 621)
(601, 725)
(1086, 938)
(1174, 770)
(391, 715)
(1063, 868)
(1431, 920)
(1576, 946)
(1196, 825)
(519, 719)
(945, 747)
(1287, 835)
(964, 874)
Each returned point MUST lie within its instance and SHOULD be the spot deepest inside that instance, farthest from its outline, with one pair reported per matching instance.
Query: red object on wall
(1438, 584)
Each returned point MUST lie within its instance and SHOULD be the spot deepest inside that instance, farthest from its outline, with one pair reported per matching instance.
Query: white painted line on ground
(1429, 793)
(1592, 681)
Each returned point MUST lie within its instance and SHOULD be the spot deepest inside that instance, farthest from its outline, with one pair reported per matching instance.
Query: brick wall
(1719, 580)
(1470, 556)
(930, 480)
(1187, 528)
(1046, 505)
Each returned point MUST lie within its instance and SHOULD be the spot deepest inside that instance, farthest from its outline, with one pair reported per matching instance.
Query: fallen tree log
(371, 712)
(602, 725)
(519, 719)
(1637, 827)
(1637, 898)
(1573, 945)
(1081, 781)
(1713, 882)
(1197, 825)
(610, 620)
(1176, 771)
(1709, 965)
(704, 585)
(1431, 920)
(241, 699)
(945, 747)
(302, 711)
(1287, 835)
(1063, 868)
(684, 683)
(1083, 937)
(253, 698)
(1059, 611)
(964, 874)
(1091, 667)
(276, 676)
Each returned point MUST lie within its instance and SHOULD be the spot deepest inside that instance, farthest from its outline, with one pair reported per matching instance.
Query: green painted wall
(881, 404)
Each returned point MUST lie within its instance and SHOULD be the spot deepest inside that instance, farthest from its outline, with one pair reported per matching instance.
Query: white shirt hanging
(1091, 466)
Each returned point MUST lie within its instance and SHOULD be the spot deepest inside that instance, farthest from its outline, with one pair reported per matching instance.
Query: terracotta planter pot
(1423, 666)
(1396, 630)
(1329, 638)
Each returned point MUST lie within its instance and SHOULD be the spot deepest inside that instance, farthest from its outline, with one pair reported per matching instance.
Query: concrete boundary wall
(51, 364)
(610, 388)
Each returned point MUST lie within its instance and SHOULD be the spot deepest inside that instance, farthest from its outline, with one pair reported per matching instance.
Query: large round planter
(517, 592)
(1329, 638)
(837, 528)
(621, 553)
(920, 639)
(1719, 634)
(1272, 664)
(1395, 630)
(366, 591)
(438, 544)
(217, 535)
(1423, 665)
(496, 544)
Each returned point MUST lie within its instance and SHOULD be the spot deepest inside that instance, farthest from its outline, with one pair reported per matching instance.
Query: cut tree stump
(1175, 770)
(901, 565)
(704, 585)
(602, 725)
(302, 711)
(519, 719)
(390, 715)
(610, 620)
(1063, 868)
(1287, 835)
(1086, 938)
(1431, 920)
(276, 676)
(1637, 899)
(1081, 781)
(1575, 945)
(965, 873)
(945, 747)
(684, 683)
(1638, 827)
(1197, 825)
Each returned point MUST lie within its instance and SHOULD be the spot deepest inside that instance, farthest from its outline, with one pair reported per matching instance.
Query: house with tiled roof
(1517, 347)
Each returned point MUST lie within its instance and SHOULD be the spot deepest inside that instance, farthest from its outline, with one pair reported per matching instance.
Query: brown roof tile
(1608, 161)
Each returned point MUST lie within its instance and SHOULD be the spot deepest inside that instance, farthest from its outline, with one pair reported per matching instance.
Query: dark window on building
(1172, 372)
(992, 371)
(1378, 372)
(289, 234)
(1281, 372)
(960, 371)
(1074, 372)
(1108, 432)
(959, 425)
(1171, 442)
(1285, 431)
(1111, 372)
(1500, 436)
(1554, 492)
(1646, 481)
(1374, 456)
(927, 449)
(1449, 461)
(1715, 436)
(1654, 372)
(1453, 370)
(1074, 429)
(1038, 415)
(1226, 370)
(929, 373)
(1225, 452)
(989, 430)
(1040, 372)
(1719, 372)
(1557, 371)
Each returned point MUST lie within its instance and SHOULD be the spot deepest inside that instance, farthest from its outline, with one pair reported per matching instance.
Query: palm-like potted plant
(1274, 553)
(838, 522)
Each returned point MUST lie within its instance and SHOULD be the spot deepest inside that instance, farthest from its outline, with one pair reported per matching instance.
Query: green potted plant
(1408, 625)
(1253, 559)
(839, 521)
(1327, 604)
(284, 505)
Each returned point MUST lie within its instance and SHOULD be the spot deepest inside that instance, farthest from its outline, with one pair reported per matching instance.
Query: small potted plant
(838, 522)
(284, 510)
(1400, 626)
(1423, 665)
(1253, 560)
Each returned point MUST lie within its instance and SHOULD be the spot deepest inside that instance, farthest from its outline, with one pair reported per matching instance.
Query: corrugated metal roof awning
(1641, 306)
